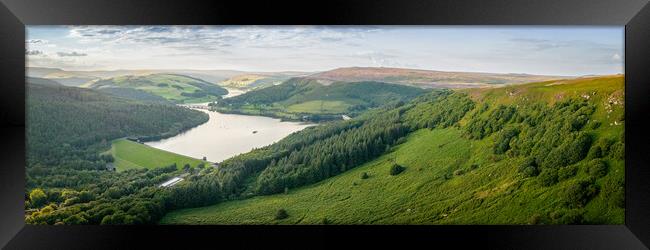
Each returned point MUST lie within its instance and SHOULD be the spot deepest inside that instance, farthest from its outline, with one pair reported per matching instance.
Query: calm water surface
(227, 135)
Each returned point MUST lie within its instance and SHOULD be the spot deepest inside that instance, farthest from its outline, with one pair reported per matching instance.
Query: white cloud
(73, 53)
(311, 48)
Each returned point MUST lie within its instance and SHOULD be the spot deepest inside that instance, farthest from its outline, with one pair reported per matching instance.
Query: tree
(364, 175)
(548, 177)
(37, 197)
(596, 168)
(529, 167)
(281, 214)
(580, 193)
(75, 220)
(396, 169)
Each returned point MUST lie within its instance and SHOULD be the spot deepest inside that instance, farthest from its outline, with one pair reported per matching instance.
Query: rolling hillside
(174, 88)
(542, 153)
(252, 81)
(426, 78)
(300, 98)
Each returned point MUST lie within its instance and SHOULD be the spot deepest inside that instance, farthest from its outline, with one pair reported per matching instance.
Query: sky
(546, 50)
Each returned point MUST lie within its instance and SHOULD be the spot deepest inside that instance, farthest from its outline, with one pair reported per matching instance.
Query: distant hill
(426, 78)
(172, 87)
(63, 77)
(252, 81)
(227, 78)
(300, 98)
(41, 81)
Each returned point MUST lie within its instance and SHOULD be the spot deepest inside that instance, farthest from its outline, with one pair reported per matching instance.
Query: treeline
(331, 156)
(234, 172)
(129, 197)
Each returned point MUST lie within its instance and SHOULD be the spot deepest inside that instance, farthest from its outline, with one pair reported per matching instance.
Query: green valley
(317, 125)
(540, 153)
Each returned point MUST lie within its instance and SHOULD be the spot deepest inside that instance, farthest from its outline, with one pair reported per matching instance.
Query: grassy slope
(168, 86)
(130, 155)
(312, 98)
(491, 193)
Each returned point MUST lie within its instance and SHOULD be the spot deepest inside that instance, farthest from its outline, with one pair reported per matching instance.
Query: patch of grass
(131, 155)
(319, 107)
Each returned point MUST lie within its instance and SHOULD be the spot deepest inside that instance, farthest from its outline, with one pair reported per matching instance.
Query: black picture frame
(633, 14)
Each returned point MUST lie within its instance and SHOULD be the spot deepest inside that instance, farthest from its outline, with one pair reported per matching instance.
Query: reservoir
(227, 135)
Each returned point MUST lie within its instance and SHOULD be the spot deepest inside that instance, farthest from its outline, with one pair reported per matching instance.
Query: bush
(567, 217)
(596, 168)
(595, 152)
(617, 151)
(600, 149)
(364, 175)
(529, 167)
(37, 197)
(567, 172)
(614, 191)
(281, 214)
(535, 219)
(502, 143)
(580, 193)
(595, 124)
(548, 177)
(86, 196)
(396, 169)
(325, 221)
(75, 220)
(571, 151)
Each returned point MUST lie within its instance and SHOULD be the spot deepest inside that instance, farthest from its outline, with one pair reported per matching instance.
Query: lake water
(227, 135)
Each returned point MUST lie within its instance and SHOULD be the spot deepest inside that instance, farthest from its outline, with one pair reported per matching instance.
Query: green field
(452, 179)
(174, 88)
(320, 107)
(132, 155)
